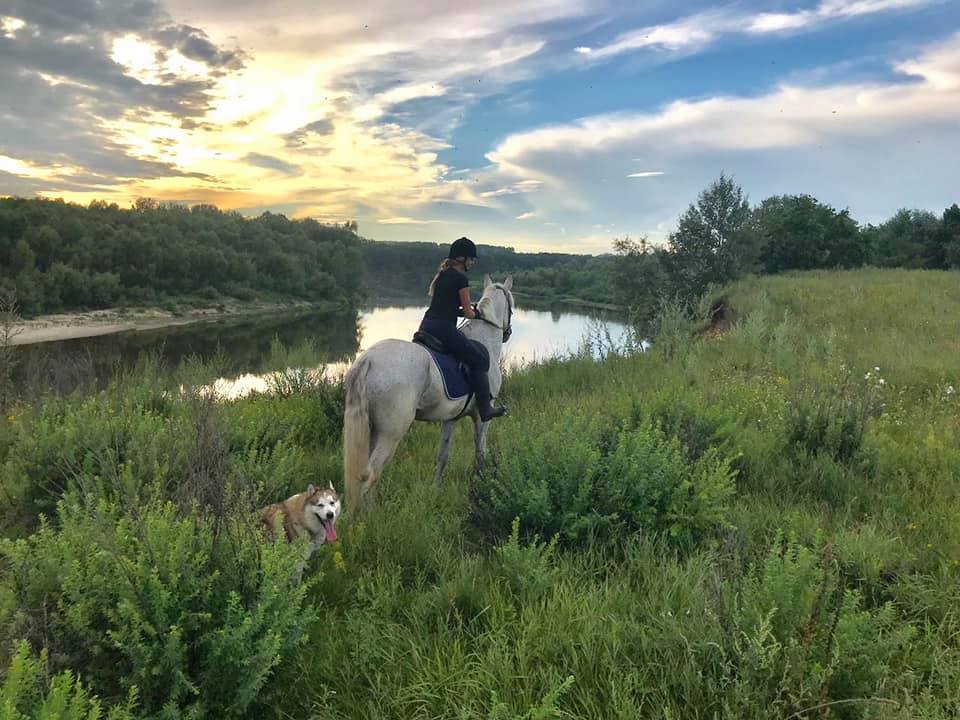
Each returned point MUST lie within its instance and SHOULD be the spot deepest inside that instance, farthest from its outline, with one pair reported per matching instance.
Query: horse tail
(356, 432)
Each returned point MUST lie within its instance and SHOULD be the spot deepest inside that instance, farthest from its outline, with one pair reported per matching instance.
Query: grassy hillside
(756, 522)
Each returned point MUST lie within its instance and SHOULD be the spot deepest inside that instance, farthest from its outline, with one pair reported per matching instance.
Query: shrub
(646, 477)
(581, 479)
(28, 694)
(830, 421)
(193, 613)
(697, 425)
(529, 569)
(548, 482)
(802, 639)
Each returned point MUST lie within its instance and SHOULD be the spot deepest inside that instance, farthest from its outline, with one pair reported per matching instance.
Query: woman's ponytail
(443, 266)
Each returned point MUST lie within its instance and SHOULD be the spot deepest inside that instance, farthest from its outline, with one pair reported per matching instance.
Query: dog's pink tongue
(329, 531)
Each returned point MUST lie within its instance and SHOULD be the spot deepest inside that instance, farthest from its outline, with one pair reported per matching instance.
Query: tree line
(57, 256)
(721, 237)
(404, 269)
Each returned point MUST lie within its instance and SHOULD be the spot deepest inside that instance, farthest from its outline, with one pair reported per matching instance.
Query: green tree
(797, 232)
(709, 245)
(639, 280)
(24, 258)
(908, 239)
(46, 243)
(948, 241)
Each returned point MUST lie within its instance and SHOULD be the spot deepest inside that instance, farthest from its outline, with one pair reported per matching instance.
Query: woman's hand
(469, 309)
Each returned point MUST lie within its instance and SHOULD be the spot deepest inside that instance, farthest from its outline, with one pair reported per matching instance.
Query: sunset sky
(541, 124)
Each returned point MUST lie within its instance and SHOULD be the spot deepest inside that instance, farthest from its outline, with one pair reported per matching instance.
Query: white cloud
(695, 32)
(526, 216)
(515, 188)
(10, 25)
(825, 11)
(691, 32)
(402, 220)
(871, 146)
(649, 173)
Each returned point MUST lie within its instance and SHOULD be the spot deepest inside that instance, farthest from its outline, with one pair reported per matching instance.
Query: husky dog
(312, 514)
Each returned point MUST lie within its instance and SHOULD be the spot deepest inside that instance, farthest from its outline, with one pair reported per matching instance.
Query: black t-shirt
(446, 295)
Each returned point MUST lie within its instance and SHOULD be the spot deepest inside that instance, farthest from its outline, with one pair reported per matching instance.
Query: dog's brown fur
(301, 515)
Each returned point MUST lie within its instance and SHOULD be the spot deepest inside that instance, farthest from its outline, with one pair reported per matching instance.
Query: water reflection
(244, 346)
(240, 346)
(537, 335)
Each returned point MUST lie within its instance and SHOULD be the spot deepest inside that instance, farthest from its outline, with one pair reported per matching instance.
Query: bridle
(508, 329)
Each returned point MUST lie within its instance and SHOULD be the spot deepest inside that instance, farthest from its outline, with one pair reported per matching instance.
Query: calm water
(244, 346)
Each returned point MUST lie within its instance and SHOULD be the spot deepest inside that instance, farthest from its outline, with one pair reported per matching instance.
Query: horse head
(496, 304)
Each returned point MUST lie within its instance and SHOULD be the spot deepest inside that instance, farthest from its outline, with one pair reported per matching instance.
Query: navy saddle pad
(455, 375)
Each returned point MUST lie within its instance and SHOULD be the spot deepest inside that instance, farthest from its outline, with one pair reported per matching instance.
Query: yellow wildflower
(11, 418)
(338, 562)
(912, 526)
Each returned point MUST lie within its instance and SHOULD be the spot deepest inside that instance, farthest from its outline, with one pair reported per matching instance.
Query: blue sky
(541, 124)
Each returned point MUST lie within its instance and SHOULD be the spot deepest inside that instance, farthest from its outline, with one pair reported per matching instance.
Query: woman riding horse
(450, 293)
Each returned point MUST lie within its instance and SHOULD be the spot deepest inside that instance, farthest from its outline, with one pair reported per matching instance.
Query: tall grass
(742, 524)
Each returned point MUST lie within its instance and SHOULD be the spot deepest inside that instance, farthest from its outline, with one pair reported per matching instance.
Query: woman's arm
(465, 303)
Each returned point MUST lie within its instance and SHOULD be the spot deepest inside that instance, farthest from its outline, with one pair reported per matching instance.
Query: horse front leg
(446, 436)
(479, 441)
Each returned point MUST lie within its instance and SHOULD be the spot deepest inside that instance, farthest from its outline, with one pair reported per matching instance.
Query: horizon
(541, 125)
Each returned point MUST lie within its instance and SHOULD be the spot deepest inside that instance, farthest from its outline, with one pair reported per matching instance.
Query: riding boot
(481, 387)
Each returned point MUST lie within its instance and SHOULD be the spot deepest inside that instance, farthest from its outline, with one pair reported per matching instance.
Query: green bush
(91, 439)
(548, 482)
(828, 421)
(195, 612)
(803, 639)
(580, 479)
(529, 569)
(697, 425)
(646, 480)
(135, 442)
(28, 693)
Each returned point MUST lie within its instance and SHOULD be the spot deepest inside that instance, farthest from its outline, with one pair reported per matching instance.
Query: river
(242, 348)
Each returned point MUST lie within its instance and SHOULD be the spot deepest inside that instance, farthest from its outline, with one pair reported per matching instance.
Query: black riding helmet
(463, 248)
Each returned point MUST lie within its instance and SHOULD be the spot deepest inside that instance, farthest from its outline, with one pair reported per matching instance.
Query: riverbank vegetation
(56, 256)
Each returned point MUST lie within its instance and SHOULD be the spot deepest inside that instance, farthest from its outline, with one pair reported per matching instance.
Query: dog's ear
(311, 489)
(330, 485)
(487, 282)
(508, 283)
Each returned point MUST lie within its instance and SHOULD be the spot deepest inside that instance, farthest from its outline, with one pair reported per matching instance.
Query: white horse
(395, 382)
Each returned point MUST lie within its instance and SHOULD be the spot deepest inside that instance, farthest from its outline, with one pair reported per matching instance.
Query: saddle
(457, 382)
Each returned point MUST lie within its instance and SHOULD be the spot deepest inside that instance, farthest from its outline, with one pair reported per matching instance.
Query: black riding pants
(465, 350)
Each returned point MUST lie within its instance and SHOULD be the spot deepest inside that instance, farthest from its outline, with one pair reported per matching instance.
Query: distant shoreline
(74, 325)
(93, 323)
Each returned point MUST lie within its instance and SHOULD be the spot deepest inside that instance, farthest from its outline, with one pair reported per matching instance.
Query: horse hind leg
(446, 435)
(384, 448)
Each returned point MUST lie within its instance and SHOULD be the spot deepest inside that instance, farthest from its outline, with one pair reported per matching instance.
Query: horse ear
(487, 282)
(508, 283)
